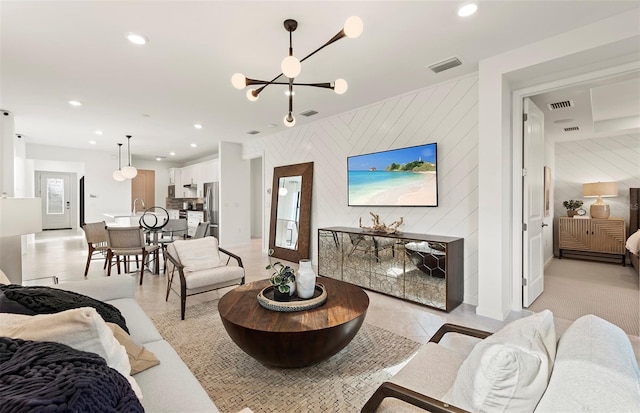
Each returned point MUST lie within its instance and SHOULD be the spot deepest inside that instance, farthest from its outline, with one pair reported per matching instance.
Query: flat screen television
(397, 177)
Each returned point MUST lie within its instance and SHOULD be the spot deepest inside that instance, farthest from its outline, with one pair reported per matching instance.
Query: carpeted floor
(234, 380)
(573, 288)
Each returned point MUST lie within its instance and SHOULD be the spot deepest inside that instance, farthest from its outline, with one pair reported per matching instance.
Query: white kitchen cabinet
(210, 171)
(193, 219)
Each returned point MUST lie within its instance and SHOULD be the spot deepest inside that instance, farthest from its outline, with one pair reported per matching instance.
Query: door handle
(544, 225)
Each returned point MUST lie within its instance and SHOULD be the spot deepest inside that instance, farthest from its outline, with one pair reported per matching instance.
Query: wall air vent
(309, 112)
(572, 129)
(560, 105)
(253, 132)
(445, 64)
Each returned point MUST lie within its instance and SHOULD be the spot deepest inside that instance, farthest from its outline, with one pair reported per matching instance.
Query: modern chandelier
(117, 174)
(291, 67)
(129, 171)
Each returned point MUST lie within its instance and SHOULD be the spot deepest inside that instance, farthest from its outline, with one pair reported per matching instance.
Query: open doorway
(257, 198)
(588, 139)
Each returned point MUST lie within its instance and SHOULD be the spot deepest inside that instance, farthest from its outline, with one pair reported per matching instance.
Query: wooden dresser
(590, 235)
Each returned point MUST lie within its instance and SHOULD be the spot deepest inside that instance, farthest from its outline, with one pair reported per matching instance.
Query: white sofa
(167, 387)
(590, 367)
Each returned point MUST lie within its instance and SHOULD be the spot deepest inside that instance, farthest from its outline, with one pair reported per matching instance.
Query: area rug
(234, 380)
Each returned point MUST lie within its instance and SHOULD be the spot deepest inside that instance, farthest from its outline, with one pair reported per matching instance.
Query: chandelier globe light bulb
(251, 96)
(129, 172)
(353, 27)
(117, 175)
(291, 67)
(340, 86)
(289, 120)
(239, 81)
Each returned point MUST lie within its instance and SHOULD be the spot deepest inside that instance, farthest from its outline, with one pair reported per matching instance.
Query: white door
(55, 189)
(532, 203)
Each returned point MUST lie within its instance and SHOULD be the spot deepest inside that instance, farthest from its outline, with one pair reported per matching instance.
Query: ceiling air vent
(572, 129)
(445, 64)
(253, 132)
(561, 105)
(309, 112)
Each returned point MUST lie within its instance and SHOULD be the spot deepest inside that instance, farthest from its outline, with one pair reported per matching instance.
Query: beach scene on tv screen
(404, 176)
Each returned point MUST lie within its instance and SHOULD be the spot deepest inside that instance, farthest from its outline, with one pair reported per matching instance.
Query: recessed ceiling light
(467, 10)
(98, 132)
(137, 38)
(193, 145)
(172, 153)
(159, 158)
(272, 125)
(144, 115)
(92, 142)
(197, 126)
(75, 103)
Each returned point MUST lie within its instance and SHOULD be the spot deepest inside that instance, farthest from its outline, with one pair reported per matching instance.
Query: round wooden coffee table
(293, 339)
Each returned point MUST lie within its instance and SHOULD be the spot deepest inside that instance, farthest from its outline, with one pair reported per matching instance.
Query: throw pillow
(509, 370)
(47, 300)
(44, 377)
(81, 328)
(198, 254)
(633, 243)
(140, 358)
(595, 370)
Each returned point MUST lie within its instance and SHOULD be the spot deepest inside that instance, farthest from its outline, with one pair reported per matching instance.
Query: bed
(634, 223)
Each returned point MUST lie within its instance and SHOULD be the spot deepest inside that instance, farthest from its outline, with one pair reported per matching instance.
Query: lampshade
(20, 216)
(600, 189)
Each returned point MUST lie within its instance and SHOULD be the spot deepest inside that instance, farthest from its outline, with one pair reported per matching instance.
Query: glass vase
(305, 280)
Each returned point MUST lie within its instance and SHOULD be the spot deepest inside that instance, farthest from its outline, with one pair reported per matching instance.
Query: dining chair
(96, 237)
(202, 230)
(127, 242)
(175, 229)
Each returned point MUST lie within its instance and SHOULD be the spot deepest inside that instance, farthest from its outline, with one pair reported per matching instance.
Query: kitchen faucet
(134, 204)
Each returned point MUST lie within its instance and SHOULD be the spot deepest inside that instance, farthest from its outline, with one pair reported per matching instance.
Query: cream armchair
(201, 267)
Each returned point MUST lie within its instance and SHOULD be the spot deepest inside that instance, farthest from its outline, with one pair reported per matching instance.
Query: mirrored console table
(426, 269)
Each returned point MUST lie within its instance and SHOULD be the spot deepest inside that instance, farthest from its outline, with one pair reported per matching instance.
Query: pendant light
(117, 174)
(129, 171)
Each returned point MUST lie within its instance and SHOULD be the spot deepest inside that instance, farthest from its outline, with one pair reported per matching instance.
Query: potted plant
(283, 280)
(572, 206)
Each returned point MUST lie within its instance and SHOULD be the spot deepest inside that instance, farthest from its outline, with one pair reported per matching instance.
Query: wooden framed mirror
(290, 230)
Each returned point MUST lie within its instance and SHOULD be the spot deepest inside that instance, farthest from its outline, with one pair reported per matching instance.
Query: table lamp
(600, 190)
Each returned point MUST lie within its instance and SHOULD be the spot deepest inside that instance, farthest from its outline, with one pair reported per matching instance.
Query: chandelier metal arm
(326, 85)
(334, 39)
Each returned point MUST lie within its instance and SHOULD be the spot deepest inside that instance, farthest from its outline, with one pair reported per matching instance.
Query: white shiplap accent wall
(446, 113)
(597, 160)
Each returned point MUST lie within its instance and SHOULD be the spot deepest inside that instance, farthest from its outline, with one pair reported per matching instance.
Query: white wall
(609, 159)
(102, 193)
(446, 113)
(256, 198)
(235, 196)
(570, 53)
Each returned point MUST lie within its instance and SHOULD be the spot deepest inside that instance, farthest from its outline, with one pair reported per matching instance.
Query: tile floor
(63, 254)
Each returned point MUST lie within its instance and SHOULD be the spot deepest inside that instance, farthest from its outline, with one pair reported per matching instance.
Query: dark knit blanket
(41, 376)
(48, 300)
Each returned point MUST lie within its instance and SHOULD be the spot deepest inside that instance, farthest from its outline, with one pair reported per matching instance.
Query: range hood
(191, 186)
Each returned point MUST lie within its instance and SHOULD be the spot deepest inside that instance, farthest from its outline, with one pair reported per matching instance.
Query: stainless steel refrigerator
(211, 206)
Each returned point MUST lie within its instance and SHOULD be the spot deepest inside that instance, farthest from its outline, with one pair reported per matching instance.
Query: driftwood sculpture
(382, 227)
